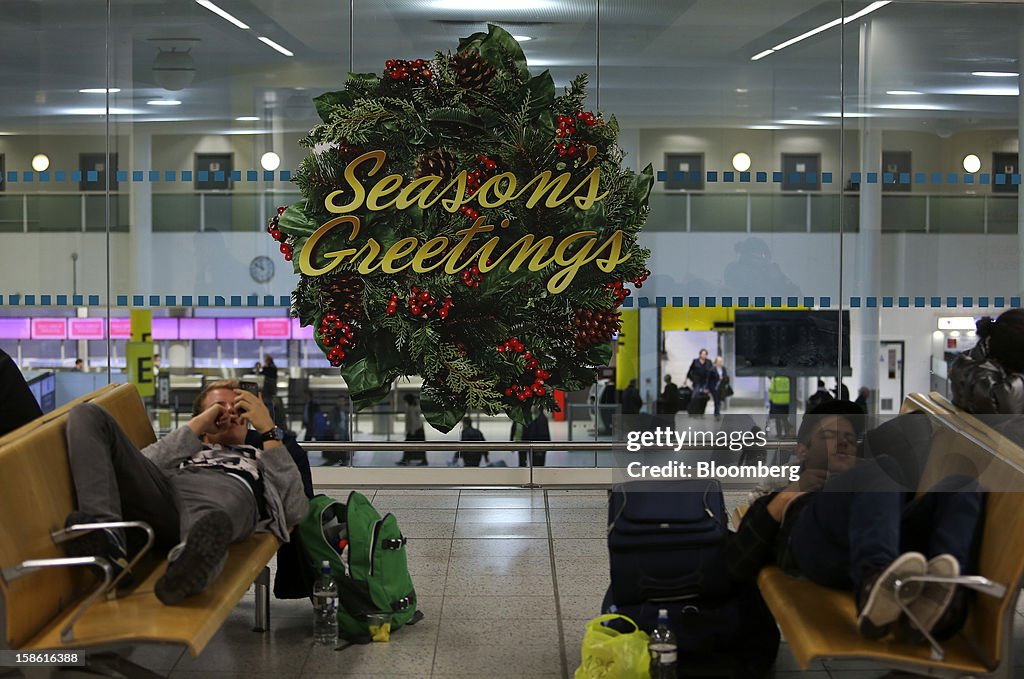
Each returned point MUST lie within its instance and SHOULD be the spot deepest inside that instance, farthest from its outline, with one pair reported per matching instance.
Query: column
(650, 357)
(867, 270)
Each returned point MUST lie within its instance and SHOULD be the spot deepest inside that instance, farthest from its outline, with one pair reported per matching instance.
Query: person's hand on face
(252, 410)
(213, 420)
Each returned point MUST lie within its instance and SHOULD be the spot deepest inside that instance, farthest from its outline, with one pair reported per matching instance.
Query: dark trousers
(114, 481)
(415, 456)
(539, 458)
(866, 517)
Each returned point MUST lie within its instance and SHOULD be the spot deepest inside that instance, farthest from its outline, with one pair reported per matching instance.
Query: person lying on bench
(200, 487)
(852, 524)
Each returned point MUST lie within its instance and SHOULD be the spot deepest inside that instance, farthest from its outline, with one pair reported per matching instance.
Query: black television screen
(791, 342)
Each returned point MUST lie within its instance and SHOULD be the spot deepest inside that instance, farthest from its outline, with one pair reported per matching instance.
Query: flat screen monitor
(801, 343)
(234, 328)
(49, 328)
(87, 328)
(120, 328)
(15, 329)
(165, 328)
(272, 328)
(44, 390)
(197, 328)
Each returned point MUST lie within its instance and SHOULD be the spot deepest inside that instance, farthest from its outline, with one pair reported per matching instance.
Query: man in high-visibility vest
(778, 405)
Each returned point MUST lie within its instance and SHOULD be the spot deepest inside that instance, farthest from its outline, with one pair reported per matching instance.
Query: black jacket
(17, 404)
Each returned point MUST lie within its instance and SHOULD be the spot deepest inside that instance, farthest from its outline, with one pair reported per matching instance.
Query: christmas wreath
(461, 222)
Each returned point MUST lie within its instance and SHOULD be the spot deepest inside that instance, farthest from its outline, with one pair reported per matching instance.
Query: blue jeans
(866, 517)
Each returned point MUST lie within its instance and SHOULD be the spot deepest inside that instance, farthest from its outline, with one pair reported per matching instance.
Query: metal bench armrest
(68, 533)
(33, 565)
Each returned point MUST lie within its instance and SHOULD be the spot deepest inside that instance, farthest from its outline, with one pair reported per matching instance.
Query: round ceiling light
(270, 161)
(972, 163)
(741, 161)
(40, 162)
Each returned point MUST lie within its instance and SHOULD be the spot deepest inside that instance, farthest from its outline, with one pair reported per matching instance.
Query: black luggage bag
(698, 404)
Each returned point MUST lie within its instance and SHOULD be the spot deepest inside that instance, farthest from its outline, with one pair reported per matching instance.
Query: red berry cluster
(567, 128)
(336, 334)
(472, 276)
(421, 303)
(639, 280)
(619, 290)
(475, 179)
(417, 72)
(393, 304)
(278, 235)
(525, 391)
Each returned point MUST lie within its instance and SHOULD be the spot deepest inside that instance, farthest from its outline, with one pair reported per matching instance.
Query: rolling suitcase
(698, 404)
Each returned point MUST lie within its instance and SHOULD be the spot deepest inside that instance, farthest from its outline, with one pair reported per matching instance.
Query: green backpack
(377, 587)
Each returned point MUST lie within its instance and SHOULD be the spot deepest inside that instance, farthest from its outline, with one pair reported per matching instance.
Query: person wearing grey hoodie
(201, 487)
(989, 379)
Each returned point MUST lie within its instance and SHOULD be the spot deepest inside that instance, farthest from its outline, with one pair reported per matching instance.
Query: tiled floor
(507, 580)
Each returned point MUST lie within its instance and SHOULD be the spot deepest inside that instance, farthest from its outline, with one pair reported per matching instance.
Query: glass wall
(816, 156)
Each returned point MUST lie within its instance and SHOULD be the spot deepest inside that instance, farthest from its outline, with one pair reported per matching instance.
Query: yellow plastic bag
(607, 654)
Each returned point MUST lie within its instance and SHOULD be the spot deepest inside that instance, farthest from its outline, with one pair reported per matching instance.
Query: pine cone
(472, 71)
(438, 163)
(595, 327)
(343, 295)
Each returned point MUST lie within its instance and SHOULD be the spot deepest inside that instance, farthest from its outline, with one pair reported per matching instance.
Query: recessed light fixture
(40, 162)
(270, 161)
(279, 48)
(741, 162)
(741, 90)
(985, 91)
(819, 29)
(247, 119)
(100, 111)
(801, 122)
(765, 127)
(100, 90)
(903, 92)
(522, 38)
(164, 102)
(972, 163)
(222, 14)
(492, 5)
(995, 74)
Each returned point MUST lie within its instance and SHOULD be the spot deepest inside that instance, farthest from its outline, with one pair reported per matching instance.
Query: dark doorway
(801, 171)
(213, 171)
(97, 162)
(1008, 164)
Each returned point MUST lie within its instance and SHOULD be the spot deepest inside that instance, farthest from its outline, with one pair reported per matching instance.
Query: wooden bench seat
(821, 623)
(36, 495)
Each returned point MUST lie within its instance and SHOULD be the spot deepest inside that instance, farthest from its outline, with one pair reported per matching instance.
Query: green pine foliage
(477, 111)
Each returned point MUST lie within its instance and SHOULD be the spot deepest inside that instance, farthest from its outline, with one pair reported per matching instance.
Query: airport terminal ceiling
(657, 64)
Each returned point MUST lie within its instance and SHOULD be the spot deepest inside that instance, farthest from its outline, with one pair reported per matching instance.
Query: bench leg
(262, 601)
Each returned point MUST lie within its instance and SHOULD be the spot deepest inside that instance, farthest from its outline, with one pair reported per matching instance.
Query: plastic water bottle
(664, 648)
(325, 607)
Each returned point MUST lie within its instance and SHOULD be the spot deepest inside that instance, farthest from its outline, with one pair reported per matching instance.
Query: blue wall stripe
(855, 302)
(236, 300)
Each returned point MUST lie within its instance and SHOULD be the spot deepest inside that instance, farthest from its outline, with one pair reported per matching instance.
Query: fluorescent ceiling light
(522, 38)
(867, 10)
(99, 111)
(824, 27)
(847, 114)
(164, 102)
(765, 127)
(801, 122)
(912, 107)
(903, 92)
(995, 74)
(985, 92)
(222, 14)
(492, 5)
(804, 36)
(282, 50)
(247, 118)
(245, 132)
(100, 90)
